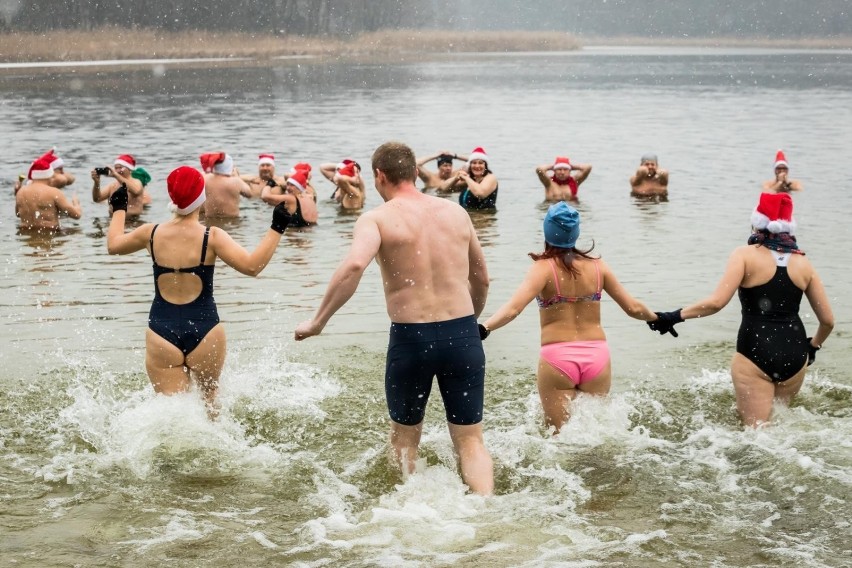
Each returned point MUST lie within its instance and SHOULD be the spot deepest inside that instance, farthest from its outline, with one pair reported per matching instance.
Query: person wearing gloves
(185, 340)
(565, 181)
(770, 274)
(567, 283)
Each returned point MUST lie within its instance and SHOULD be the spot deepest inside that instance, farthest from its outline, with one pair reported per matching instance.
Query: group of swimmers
(436, 281)
(39, 205)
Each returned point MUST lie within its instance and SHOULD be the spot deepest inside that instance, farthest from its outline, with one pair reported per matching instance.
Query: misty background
(782, 19)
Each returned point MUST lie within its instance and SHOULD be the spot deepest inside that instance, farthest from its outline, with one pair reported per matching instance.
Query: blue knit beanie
(561, 225)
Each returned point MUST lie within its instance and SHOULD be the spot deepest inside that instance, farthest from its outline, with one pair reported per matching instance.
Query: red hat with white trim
(347, 169)
(125, 160)
(781, 160)
(299, 180)
(774, 213)
(40, 169)
(186, 189)
(217, 163)
(55, 161)
(266, 159)
(301, 166)
(561, 162)
(478, 154)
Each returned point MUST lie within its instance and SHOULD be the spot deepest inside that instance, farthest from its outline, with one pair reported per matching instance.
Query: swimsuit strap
(203, 245)
(598, 272)
(151, 242)
(555, 277)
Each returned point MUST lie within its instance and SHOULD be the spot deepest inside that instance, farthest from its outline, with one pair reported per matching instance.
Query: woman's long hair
(566, 256)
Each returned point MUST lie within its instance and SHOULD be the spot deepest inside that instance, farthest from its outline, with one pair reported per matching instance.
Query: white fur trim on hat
(57, 163)
(265, 159)
(202, 197)
(477, 154)
(226, 166)
(120, 162)
(762, 222)
(42, 174)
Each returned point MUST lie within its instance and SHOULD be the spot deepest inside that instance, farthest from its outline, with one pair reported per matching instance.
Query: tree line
(649, 18)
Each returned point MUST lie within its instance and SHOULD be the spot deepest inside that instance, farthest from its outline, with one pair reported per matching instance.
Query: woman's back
(175, 247)
(761, 264)
(571, 306)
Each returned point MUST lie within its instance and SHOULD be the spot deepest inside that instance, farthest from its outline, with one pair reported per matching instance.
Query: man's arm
(477, 273)
(584, 169)
(98, 193)
(365, 246)
(69, 207)
(541, 172)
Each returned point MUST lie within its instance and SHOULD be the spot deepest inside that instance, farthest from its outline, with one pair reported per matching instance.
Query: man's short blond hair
(397, 161)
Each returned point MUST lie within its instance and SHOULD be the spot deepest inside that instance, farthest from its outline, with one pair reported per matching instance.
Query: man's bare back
(223, 195)
(39, 205)
(424, 256)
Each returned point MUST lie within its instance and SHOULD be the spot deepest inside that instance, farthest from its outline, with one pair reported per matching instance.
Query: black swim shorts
(450, 350)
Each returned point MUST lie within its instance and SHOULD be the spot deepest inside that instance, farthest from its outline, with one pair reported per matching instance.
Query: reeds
(118, 43)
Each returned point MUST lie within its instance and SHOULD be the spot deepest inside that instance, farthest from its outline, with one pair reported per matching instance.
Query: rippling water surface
(96, 470)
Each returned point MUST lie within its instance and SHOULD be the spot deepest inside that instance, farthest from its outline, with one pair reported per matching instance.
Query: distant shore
(128, 44)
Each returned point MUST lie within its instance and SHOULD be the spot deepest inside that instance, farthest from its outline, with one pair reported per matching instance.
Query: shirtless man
(564, 183)
(122, 170)
(782, 183)
(223, 186)
(435, 283)
(265, 172)
(38, 204)
(443, 180)
(649, 179)
(350, 191)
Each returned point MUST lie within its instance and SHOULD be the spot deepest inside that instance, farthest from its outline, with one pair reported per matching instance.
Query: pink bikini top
(560, 299)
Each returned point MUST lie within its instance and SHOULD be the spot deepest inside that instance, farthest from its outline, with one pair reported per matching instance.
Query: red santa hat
(774, 213)
(125, 160)
(40, 169)
(186, 189)
(266, 159)
(344, 163)
(55, 161)
(301, 166)
(299, 180)
(347, 169)
(781, 160)
(217, 163)
(561, 162)
(477, 154)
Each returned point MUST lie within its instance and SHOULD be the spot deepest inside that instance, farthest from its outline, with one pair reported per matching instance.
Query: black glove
(271, 183)
(483, 333)
(811, 352)
(280, 218)
(666, 322)
(118, 199)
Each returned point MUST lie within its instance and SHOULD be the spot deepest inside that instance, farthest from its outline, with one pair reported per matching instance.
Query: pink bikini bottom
(580, 361)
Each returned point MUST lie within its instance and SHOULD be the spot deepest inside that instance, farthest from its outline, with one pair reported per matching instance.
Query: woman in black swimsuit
(771, 275)
(185, 340)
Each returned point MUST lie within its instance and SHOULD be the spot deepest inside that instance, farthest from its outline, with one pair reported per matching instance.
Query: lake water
(96, 470)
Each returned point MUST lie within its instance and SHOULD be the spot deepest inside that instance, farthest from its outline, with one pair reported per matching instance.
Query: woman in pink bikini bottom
(567, 283)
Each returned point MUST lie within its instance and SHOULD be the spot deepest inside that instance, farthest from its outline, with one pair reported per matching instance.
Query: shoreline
(109, 45)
